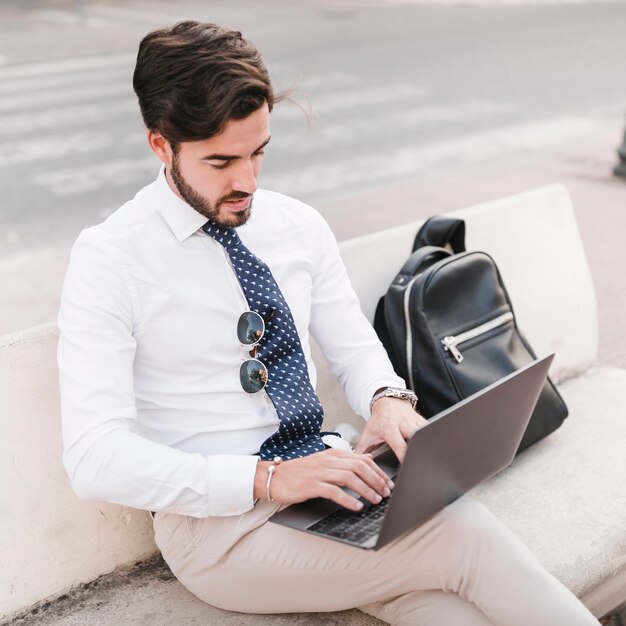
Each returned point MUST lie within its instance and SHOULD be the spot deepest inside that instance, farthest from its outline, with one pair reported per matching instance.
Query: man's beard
(203, 205)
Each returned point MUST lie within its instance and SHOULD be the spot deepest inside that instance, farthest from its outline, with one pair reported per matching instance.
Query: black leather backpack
(449, 328)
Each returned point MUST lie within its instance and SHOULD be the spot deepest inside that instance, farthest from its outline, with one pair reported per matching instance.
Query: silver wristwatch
(396, 392)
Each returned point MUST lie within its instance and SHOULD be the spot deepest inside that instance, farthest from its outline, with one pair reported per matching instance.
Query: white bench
(564, 496)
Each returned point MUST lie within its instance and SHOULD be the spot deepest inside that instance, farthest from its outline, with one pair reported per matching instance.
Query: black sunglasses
(253, 374)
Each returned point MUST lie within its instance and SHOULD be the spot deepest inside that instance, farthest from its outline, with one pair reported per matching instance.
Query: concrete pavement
(151, 595)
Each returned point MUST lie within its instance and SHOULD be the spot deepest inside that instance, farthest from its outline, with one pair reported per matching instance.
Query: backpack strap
(441, 231)
(420, 259)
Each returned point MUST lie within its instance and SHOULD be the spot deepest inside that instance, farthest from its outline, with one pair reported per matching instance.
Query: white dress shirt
(154, 416)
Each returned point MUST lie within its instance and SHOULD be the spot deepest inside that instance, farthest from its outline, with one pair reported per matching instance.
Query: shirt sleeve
(346, 337)
(104, 456)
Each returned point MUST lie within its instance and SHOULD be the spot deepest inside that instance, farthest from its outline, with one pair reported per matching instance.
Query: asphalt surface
(395, 91)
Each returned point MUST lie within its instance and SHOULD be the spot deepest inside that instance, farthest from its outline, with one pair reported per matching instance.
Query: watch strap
(393, 392)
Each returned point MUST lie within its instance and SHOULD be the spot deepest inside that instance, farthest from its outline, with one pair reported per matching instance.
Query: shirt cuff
(338, 443)
(231, 483)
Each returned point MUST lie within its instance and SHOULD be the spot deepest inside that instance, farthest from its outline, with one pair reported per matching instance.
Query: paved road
(415, 109)
(395, 90)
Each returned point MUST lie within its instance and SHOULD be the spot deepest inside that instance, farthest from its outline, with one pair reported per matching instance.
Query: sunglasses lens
(250, 328)
(252, 375)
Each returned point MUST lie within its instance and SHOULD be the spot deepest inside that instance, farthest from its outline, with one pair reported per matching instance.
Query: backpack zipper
(409, 334)
(451, 342)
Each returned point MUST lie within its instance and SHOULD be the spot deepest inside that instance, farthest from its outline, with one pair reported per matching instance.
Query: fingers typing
(326, 474)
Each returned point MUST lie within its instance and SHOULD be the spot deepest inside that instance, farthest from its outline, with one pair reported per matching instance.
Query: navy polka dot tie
(288, 386)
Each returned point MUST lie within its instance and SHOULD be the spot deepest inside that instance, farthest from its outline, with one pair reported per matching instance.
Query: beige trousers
(462, 568)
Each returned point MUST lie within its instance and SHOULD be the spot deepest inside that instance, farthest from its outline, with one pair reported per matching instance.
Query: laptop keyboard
(352, 526)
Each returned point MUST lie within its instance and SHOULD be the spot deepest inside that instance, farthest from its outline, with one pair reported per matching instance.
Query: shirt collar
(180, 217)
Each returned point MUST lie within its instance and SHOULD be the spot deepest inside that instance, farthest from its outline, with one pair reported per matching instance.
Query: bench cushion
(565, 496)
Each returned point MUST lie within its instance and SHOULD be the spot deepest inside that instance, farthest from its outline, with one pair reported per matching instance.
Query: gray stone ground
(149, 594)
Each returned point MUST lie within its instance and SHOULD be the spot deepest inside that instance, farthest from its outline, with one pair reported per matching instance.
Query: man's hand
(322, 475)
(393, 421)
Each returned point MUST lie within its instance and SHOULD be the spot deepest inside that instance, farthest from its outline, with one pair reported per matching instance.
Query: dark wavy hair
(194, 77)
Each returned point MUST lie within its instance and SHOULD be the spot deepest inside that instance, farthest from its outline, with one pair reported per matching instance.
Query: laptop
(458, 448)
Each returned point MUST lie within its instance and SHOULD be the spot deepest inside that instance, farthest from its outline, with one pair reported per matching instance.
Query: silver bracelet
(270, 472)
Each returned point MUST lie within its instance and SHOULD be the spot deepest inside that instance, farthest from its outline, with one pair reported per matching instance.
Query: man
(188, 388)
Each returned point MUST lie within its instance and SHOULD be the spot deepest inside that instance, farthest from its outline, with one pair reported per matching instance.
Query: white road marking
(328, 103)
(62, 81)
(78, 94)
(36, 122)
(89, 178)
(135, 139)
(52, 147)
(371, 169)
(73, 18)
(422, 117)
(363, 170)
(126, 15)
(322, 82)
(65, 66)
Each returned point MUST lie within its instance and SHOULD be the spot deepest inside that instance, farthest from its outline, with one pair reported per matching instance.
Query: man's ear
(161, 147)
